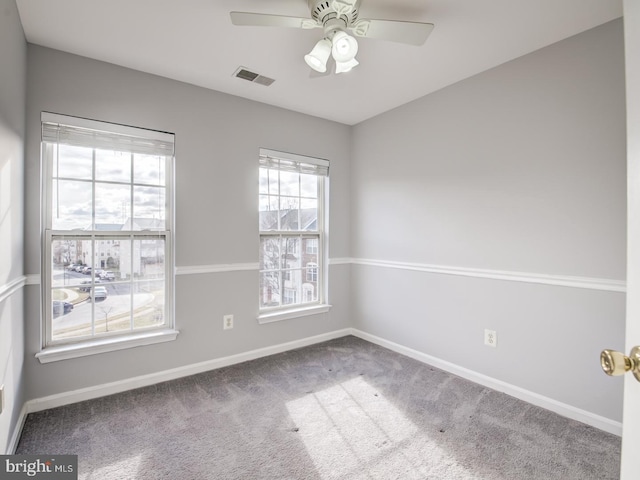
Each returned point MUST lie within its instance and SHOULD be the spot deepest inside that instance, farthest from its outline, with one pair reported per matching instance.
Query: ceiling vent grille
(245, 74)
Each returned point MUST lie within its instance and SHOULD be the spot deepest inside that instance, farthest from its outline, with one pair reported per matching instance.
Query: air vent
(253, 77)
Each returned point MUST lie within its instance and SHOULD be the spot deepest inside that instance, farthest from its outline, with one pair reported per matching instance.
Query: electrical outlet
(490, 338)
(227, 322)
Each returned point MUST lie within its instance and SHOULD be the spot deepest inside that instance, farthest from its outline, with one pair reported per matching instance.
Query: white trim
(221, 268)
(569, 411)
(103, 345)
(12, 287)
(97, 391)
(340, 261)
(294, 313)
(17, 431)
(557, 280)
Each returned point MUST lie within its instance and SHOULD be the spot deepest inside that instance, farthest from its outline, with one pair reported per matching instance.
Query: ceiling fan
(338, 18)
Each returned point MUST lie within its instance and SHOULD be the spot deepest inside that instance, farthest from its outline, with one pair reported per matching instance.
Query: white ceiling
(194, 41)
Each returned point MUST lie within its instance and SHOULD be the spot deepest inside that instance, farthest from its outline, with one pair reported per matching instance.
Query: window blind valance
(80, 132)
(293, 163)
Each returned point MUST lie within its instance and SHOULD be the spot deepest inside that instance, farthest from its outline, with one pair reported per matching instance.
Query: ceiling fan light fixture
(336, 18)
(317, 58)
(344, 67)
(344, 47)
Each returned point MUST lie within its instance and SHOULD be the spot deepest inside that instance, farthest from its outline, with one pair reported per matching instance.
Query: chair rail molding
(13, 286)
(590, 283)
(605, 284)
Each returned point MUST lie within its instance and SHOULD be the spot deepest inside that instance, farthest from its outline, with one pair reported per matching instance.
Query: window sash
(132, 281)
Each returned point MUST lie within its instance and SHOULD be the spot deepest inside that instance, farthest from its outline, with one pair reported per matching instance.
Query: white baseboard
(569, 411)
(17, 431)
(97, 391)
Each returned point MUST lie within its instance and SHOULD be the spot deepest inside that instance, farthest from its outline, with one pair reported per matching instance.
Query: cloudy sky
(116, 186)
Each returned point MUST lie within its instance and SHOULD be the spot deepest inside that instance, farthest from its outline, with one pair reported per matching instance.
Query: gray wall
(13, 70)
(217, 141)
(518, 169)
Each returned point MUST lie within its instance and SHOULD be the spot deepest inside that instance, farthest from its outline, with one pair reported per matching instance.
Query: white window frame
(320, 167)
(92, 344)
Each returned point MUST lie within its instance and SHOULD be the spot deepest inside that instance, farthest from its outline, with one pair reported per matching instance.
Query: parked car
(71, 266)
(79, 268)
(106, 275)
(99, 294)
(85, 286)
(61, 308)
(86, 270)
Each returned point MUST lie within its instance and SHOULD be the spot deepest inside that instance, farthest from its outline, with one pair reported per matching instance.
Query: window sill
(294, 313)
(103, 345)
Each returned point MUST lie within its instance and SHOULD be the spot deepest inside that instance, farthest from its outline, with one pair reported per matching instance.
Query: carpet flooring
(343, 409)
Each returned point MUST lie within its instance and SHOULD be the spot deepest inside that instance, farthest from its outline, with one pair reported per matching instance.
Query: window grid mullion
(131, 284)
(279, 201)
(93, 251)
(92, 291)
(281, 265)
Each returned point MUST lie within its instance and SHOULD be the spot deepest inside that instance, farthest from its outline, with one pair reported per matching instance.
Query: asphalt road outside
(118, 302)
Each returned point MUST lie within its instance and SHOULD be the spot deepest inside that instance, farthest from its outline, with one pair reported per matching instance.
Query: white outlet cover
(227, 322)
(490, 338)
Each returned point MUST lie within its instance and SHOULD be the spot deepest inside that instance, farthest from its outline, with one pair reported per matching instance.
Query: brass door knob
(616, 363)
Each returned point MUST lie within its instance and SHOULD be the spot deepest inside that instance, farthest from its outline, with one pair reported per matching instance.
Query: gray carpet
(344, 409)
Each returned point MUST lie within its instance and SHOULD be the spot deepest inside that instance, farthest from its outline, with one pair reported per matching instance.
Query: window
(107, 219)
(309, 292)
(291, 223)
(312, 272)
(312, 246)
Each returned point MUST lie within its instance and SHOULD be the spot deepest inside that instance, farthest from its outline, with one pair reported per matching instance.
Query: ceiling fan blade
(265, 20)
(412, 33)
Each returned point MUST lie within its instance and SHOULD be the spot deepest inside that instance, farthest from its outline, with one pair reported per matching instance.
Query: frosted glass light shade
(344, 67)
(344, 48)
(317, 58)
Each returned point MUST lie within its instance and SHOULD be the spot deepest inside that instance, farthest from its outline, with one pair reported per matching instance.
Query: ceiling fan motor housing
(334, 14)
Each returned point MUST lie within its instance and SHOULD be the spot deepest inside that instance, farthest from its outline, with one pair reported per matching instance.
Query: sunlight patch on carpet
(351, 425)
(125, 468)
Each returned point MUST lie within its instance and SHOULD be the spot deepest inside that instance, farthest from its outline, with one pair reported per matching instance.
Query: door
(630, 466)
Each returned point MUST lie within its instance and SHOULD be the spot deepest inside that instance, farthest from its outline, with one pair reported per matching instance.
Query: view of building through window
(291, 231)
(100, 286)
